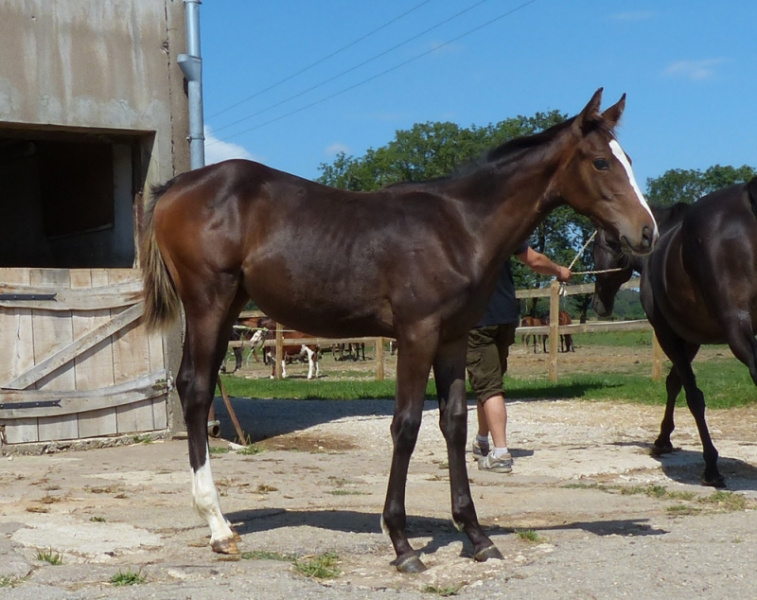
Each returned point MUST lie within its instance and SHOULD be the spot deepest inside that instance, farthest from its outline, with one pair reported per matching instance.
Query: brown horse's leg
(449, 375)
(676, 350)
(413, 367)
(207, 334)
(673, 385)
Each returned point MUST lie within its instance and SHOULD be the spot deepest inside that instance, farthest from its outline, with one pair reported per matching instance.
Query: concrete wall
(102, 66)
(108, 65)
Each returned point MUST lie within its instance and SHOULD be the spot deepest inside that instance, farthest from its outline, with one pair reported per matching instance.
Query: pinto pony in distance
(699, 286)
(414, 261)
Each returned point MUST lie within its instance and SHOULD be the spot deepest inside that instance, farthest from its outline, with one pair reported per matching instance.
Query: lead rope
(564, 285)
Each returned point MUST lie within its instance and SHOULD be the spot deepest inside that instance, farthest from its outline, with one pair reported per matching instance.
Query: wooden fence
(554, 330)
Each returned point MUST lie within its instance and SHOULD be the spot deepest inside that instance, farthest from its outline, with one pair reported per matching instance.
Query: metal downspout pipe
(191, 65)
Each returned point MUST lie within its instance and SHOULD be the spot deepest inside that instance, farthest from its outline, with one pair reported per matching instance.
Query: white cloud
(217, 151)
(639, 15)
(336, 148)
(695, 70)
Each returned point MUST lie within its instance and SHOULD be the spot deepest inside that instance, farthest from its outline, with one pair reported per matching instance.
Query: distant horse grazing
(699, 286)
(415, 261)
(289, 350)
(527, 338)
(566, 339)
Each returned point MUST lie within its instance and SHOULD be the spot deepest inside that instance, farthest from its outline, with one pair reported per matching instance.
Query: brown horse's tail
(162, 304)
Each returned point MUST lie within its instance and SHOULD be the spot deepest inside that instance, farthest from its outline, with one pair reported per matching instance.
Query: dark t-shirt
(503, 306)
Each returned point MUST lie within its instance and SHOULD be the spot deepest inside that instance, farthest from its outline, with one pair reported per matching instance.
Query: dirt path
(319, 487)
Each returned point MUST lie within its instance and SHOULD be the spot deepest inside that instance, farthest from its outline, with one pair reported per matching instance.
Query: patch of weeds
(50, 556)
(586, 486)
(142, 439)
(37, 509)
(128, 578)
(726, 501)
(6, 581)
(250, 450)
(449, 590)
(687, 496)
(529, 535)
(218, 450)
(343, 492)
(268, 555)
(322, 566)
(682, 510)
(98, 519)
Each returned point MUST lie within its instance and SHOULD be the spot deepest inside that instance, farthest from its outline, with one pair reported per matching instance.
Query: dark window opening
(66, 199)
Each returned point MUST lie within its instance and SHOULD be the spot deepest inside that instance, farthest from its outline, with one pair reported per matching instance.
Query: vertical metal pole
(191, 66)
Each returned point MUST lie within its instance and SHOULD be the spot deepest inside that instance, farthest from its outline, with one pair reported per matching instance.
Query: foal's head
(596, 179)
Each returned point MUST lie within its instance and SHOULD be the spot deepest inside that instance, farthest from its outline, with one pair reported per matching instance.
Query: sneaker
(480, 449)
(503, 464)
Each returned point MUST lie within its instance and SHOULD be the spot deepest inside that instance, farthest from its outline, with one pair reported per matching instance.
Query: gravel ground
(587, 513)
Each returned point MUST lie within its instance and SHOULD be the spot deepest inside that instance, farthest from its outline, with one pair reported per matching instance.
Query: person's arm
(540, 264)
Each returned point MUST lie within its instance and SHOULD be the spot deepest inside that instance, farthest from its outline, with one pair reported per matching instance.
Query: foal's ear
(590, 114)
(612, 115)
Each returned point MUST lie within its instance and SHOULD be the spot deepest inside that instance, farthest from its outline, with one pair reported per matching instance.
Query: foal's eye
(601, 164)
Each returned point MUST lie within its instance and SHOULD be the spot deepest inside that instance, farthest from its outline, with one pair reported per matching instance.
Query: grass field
(724, 380)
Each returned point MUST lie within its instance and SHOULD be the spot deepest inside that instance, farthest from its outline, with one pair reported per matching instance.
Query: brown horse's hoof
(487, 553)
(718, 481)
(411, 564)
(227, 546)
(660, 449)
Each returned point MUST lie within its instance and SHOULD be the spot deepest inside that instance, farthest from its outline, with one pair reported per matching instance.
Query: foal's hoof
(487, 553)
(227, 546)
(716, 481)
(410, 564)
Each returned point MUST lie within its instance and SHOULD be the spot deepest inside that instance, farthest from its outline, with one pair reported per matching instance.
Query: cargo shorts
(486, 359)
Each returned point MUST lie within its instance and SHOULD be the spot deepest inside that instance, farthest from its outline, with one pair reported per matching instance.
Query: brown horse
(698, 287)
(414, 261)
(289, 350)
(528, 338)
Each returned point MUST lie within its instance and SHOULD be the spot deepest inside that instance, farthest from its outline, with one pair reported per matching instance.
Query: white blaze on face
(621, 156)
(207, 502)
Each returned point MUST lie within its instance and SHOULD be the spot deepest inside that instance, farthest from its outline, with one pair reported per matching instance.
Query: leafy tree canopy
(688, 185)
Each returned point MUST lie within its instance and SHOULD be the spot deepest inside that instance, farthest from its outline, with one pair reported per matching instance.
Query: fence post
(554, 327)
(279, 351)
(657, 356)
(380, 359)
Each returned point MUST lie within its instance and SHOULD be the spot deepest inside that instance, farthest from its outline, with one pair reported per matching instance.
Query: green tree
(688, 185)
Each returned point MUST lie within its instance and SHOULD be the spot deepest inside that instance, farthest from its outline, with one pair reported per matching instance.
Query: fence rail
(553, 330)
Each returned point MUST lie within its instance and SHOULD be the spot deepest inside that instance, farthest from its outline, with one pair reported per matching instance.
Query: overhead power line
(376, 76)
(362, 64)
(318, 62)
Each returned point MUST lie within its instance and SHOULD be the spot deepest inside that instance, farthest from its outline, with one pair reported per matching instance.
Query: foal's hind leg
(449, 374)
(209, 320)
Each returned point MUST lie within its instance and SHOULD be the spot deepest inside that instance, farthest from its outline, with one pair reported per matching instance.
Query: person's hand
(563, 274)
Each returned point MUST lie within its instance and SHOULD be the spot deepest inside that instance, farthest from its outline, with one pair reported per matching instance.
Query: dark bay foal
(416, 262)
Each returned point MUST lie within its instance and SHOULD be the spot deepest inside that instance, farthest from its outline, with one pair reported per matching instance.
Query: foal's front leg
(449, 374)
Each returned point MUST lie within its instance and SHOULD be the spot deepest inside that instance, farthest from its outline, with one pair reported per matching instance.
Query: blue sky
(688, 68)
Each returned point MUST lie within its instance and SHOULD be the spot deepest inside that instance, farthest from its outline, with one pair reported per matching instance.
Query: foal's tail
(162, 304)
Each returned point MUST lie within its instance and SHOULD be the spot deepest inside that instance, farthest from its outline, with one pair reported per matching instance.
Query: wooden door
(75, 360)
